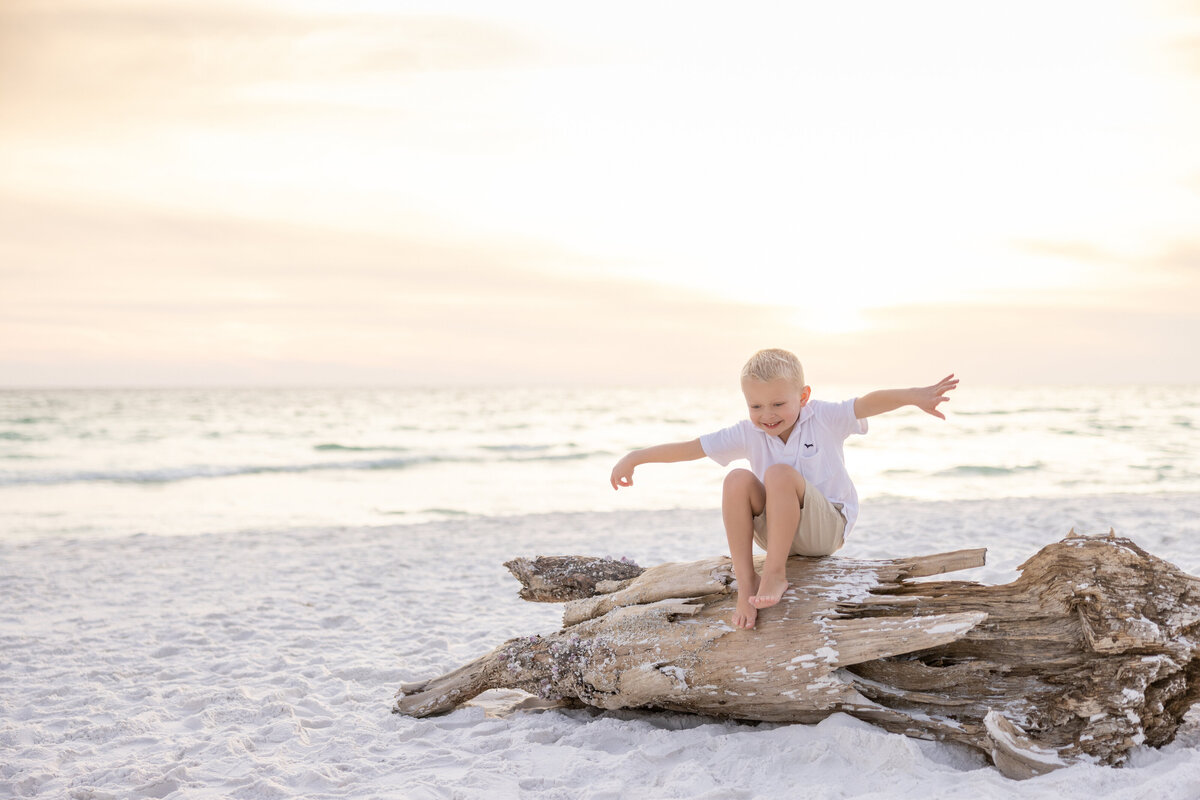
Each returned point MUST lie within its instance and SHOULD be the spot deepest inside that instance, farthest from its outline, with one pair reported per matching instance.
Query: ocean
(214, 593)
(114, 462)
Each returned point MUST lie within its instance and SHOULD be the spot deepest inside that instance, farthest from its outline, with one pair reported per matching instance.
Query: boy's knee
(739, 480)
(781, 474)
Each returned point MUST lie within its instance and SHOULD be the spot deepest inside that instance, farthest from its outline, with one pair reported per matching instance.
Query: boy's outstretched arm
(622, 474)
(926, 398)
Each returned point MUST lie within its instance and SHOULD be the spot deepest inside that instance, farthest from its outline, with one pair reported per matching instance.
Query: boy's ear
(805, 393)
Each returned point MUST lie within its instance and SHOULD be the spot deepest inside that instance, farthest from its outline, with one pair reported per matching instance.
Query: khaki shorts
(821, 530)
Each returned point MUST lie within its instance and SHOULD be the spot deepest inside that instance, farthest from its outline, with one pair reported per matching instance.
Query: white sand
(263, 665)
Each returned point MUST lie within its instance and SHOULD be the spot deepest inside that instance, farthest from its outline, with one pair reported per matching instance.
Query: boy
(797, 497)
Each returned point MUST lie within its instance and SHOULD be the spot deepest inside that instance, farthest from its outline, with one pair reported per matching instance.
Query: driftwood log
(1091, 652)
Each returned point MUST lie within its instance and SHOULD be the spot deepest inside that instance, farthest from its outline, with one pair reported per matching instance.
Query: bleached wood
(553, 579)
(1091, 652)
(694, 579)
(940, 563)
(862, 640)
(1014, 753)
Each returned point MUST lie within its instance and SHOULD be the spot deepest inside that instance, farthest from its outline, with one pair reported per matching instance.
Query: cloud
(74, 63)
(94, 295)
(1164, 280)
(1087, 252)
(86, 287)
(1015, 344)
(1183, 259)
(103, 295)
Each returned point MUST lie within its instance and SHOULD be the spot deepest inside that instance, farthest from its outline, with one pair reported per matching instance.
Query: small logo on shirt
(808, 445)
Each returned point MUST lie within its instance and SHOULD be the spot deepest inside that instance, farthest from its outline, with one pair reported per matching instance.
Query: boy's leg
(742, 498)
(784, 488)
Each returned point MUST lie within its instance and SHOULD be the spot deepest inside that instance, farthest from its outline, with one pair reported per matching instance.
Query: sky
(365, 192)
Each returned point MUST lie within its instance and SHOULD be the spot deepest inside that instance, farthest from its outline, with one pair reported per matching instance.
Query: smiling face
(775, 405)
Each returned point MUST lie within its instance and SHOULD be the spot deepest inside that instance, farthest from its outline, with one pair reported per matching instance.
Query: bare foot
(745, 614)
(770, 591)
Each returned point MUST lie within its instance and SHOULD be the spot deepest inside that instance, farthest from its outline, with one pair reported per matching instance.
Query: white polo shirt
(814, 449)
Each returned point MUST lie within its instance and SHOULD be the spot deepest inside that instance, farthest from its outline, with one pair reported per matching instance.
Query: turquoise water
(120, 461)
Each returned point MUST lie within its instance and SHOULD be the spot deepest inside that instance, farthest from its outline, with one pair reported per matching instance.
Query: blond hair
(767, 365)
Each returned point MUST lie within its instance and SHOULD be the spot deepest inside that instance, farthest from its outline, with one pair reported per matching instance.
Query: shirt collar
(805, 413)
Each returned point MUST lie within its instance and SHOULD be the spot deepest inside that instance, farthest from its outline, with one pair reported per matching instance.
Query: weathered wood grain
(1091, 652)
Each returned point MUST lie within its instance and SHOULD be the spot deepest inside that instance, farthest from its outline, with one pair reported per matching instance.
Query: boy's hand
(928, 398)
(622, 474)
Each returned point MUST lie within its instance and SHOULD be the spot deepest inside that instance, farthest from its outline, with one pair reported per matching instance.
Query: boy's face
(774, 406)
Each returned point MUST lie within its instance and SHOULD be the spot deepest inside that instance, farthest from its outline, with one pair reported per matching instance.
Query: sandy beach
(264, 666)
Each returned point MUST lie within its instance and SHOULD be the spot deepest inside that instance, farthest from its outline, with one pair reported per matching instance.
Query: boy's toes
(770, 593)
(744, 619)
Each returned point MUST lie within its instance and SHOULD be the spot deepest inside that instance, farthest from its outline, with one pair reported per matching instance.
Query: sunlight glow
(826, 165)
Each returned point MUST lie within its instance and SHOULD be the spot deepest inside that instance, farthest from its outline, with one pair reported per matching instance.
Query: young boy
(797, 497)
